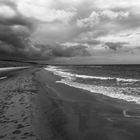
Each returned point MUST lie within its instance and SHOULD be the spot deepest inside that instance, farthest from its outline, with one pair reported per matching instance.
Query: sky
(71, 31)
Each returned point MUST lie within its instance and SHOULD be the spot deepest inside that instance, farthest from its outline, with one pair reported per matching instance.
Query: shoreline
(87, 115)
(34, 107)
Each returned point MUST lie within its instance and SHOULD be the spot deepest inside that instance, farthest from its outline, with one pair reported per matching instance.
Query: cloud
(100, 16)
(89, 42)
(9, 12)
(11, 31)
(130, 37)
(42, 10)
(72, 2)
(71, 51)
(116, 28)
(15, 30)
(90, 22)
(92, 42)
(113, 15)
(66, 29)
(111, 4)
(115, 46)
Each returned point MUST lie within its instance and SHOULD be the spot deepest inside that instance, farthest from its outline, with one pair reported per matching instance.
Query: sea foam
(62, 73)
(1, 78)
(130, 94)
(112, 92)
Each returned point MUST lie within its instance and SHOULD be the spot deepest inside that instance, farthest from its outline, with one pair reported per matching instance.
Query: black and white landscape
(69, 70)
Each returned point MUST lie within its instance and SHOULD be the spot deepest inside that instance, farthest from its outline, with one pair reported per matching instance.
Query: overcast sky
(71, 31)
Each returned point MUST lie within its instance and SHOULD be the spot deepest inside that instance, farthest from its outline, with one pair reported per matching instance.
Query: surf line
(1, 78)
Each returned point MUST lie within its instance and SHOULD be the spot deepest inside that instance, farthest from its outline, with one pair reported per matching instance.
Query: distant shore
(34, 107)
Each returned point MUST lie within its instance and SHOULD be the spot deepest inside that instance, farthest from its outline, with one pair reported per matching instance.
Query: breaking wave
(130, 94)
(113, 92)
(63, 73)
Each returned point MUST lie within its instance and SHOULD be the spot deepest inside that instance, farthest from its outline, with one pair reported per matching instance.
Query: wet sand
(34, 107)
(67, 113)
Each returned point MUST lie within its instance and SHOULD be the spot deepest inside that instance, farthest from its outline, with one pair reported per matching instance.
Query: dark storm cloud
(54, 51)
(16, 43)
(17, 20)
(76, 50)
(10, 37)
(8, 34)
(14, 33)
(48, 22)
(115, 46)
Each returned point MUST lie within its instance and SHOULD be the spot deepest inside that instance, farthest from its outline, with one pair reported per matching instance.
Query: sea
(115, 81)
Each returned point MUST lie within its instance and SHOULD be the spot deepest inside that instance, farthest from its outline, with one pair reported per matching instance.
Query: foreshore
(34, 107)
(16, 107)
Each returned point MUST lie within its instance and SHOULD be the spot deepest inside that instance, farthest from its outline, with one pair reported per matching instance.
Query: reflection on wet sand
(34, 107)
(72, 114)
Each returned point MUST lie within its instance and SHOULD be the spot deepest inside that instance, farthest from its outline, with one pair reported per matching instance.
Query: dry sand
(16, 108)
(34, 107)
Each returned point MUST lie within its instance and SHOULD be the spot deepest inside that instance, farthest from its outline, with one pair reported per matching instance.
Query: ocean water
(115, 81)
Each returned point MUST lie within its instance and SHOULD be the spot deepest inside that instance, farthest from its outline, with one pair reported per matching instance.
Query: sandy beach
(80, 115)
(16, 108)
(34, 107)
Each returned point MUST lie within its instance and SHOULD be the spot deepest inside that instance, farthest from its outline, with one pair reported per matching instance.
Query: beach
(16, 108)
(69, 70)
(34, 107)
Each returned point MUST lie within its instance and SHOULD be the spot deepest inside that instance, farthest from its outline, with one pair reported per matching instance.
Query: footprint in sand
(17, 132)
(19, 126)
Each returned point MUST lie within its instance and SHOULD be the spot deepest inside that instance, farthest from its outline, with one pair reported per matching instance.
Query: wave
(127, 80)
(1, 78)
(65, 74)
(130, 94)
(112, 92)
(60, 72)
(12, 68)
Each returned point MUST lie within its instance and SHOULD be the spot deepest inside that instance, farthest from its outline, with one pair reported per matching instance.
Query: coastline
(77, 114)
(34, 107)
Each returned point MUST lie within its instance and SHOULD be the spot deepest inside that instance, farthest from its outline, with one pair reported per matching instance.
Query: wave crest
(112, 92)
(69, 75)
(130, 94)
